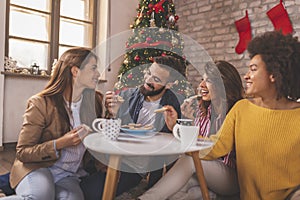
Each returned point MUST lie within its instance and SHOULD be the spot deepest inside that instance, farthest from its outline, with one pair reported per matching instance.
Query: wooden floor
(7, 157)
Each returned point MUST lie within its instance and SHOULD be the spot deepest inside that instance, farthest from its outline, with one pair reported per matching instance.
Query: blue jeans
(39, 185)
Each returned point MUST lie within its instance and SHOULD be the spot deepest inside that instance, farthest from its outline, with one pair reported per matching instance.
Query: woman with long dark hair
(181, 182)
(49, 152)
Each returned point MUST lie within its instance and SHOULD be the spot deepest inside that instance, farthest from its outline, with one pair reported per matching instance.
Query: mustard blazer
(41, 126)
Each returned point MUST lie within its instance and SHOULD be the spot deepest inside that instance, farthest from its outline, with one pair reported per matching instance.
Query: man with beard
(138, 107)
(155, 93)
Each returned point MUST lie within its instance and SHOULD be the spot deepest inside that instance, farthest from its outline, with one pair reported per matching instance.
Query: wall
(16, 92)
(211, 24)
(2, 39)
(121, 16)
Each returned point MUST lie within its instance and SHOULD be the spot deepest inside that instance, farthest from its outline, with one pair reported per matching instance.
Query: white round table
(158, 145)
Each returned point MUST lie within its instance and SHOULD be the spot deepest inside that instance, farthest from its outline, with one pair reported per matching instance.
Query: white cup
(110, 128)
(187, 135)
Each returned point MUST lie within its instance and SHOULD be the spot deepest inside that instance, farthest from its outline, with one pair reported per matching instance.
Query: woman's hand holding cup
(73, 137)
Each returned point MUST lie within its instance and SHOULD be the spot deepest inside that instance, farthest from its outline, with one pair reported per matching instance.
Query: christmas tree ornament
(171, 18)
(174, 41)
(244, 29)
(126, 61)
(148, 39)
(137, 58)
(161, 30)
(152, 23)
(138, 21)
(280, 19)
(150, 6)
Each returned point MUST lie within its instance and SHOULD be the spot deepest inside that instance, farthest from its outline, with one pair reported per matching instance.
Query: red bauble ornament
(137, 58)
(148, 39)
(163, 54)
(176, 17)
(129, 76)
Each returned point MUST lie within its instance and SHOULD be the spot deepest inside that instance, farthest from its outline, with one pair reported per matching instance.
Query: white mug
(187, 135)
(110, 128)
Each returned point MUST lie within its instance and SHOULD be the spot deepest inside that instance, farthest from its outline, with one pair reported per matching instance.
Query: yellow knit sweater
(267, 144)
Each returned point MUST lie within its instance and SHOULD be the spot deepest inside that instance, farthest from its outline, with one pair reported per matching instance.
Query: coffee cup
(110, 128)
(187, 135)
(185, 122)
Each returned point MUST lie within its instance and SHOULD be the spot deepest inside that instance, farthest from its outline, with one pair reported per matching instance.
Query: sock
(280, 19)
(244, 29)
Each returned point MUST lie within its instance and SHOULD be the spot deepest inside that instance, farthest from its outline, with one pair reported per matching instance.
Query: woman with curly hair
(264, 129)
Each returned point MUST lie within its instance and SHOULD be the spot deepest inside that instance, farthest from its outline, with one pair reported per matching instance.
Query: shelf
(24, 75)
(35, 76)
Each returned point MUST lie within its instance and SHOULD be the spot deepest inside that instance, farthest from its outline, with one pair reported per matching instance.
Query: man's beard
(152, 92)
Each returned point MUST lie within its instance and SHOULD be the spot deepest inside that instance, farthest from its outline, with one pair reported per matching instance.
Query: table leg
(111, 180)
(200, 175)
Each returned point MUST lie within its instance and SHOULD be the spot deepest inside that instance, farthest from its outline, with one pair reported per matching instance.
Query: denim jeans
(39, 185)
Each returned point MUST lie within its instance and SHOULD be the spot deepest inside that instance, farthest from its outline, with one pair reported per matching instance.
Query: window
(40, 31)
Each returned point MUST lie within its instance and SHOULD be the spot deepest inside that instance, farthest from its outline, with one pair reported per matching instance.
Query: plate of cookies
(137, 128)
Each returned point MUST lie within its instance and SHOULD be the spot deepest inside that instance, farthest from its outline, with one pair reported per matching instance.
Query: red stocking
(280, 19)
(244, 29)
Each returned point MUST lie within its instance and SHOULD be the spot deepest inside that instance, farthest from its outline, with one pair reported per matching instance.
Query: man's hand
(171, 116)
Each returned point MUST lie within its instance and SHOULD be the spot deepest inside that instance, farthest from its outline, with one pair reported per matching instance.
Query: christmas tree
(154, 33)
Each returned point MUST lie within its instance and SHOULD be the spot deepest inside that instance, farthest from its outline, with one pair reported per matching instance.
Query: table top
(159, 144)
